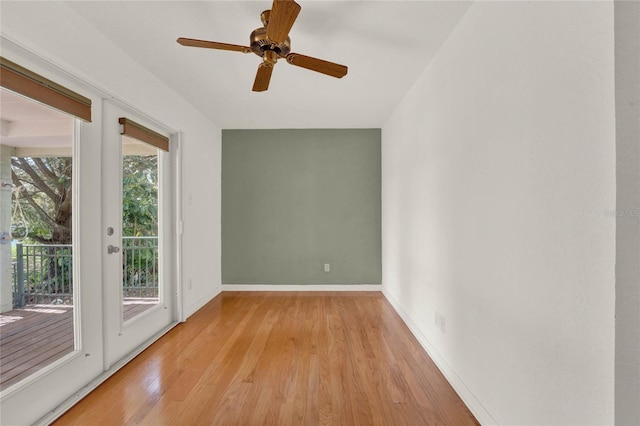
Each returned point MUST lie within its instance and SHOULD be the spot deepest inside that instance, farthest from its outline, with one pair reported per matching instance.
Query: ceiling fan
(271, 42)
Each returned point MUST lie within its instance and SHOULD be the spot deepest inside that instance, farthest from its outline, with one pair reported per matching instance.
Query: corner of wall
(474, 405)
(627, 339)
(497, 168)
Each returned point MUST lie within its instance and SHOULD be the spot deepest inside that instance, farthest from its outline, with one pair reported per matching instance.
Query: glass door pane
(139, 298)
(38, 281)
(140, 254)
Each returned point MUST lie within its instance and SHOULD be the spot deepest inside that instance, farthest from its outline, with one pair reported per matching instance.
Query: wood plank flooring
(31, 338)
(280, 358)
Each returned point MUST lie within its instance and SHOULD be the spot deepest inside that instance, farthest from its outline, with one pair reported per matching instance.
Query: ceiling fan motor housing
(260, 43)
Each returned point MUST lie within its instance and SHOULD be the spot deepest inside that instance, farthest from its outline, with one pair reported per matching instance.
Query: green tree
(140, 196)
(43, 187)
(44, 192)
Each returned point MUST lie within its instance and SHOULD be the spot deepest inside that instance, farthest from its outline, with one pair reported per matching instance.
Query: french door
(138, 236)
(82, 308)
(55, 316)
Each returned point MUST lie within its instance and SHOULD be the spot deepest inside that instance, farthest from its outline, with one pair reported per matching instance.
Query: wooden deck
(31, 338)
(133, 306)
(37, 335)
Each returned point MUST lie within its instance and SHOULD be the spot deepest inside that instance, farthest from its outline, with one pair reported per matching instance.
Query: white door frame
(75, 369)
(77, 374)
(121, 338)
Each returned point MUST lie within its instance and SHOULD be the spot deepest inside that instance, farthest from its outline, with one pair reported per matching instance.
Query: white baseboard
(474, 405)
(198, 304)
(301, 287)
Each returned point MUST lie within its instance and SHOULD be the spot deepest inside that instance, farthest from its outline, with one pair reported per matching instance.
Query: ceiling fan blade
(213, 45)
(283, 15)
(263, 76)
(318, 65)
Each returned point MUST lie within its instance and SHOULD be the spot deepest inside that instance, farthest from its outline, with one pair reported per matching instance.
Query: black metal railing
(140, 266)
(44, 273)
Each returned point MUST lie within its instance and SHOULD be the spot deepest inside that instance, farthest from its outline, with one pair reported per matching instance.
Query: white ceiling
(385, 44)
(27, 123)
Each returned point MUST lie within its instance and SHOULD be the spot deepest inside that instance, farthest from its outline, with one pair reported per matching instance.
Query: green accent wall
(294, 200)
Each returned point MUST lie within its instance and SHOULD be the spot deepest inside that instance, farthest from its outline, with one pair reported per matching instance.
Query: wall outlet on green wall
(295, 200)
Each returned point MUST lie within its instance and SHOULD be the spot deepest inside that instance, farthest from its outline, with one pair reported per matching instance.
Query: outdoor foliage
(140, 196)
(43, 189)
(140, 219)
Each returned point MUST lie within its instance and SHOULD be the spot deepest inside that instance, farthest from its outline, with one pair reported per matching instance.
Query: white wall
(498, 167)
(53, 31)
(51, 39)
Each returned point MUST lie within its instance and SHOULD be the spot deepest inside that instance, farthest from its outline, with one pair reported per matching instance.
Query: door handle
(112, 249)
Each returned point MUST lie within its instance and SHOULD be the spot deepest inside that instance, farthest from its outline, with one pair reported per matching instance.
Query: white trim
(476, 407)
(179, 312)
(120, 335)
(76, 233)
(91, 375)
(301, 287)
(147, 120)
(76, 251)
(86, 390)
(44, 371)
(198, 304)
(19, 51)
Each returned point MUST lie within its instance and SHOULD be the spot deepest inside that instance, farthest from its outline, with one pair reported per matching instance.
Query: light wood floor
(294, 358)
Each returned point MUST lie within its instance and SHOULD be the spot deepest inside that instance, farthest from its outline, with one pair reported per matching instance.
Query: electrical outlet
(327, 267)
